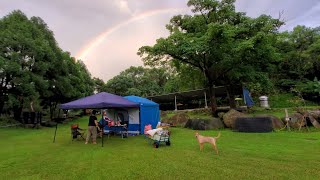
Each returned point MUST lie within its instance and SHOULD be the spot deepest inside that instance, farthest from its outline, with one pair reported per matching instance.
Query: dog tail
(218, 135)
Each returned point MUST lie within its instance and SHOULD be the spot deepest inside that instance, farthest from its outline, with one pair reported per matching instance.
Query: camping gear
(156, 136)
(247, 97)
(101, 100)
(264, 101)
(76, 132)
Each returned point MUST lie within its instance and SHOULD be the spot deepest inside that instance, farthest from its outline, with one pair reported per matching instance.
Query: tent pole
(205, 100)
(55, 132)
(102, 128)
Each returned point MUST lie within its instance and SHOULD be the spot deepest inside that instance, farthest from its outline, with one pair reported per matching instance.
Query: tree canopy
(228, 47)
(33, 69)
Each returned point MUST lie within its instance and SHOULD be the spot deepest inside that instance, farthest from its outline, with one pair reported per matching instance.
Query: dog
(206, 139)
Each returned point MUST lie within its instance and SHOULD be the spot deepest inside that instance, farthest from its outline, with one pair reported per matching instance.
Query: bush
(6, 120)
(286, 100)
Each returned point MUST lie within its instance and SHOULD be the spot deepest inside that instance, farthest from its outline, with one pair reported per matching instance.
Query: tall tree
(299, 66)
(228, 47)
(296, 48)
(34, 68)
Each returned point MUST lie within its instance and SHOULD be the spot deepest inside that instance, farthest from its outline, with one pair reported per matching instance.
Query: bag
(147, 128)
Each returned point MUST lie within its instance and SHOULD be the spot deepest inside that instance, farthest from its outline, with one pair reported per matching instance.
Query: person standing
(92, 128)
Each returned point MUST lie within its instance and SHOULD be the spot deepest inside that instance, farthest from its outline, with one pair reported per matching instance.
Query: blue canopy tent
(101, 100)
(149, 111)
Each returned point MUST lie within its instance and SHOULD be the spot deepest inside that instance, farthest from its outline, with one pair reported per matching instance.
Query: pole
(287, 119)
(55, 132)
(175, 103)
(102, 137)
(102, 127)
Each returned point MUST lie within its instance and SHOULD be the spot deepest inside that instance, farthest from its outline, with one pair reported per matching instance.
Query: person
(103, 122)
(92, 128)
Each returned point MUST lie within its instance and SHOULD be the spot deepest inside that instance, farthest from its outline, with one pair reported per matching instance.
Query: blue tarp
(247, 97)
(149, 111)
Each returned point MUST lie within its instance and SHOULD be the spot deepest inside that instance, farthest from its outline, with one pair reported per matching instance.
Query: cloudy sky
(106, 34)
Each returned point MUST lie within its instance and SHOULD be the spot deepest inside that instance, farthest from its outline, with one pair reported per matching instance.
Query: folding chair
(75, 132)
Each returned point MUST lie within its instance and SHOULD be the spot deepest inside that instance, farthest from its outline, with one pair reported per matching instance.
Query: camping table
(122, 129)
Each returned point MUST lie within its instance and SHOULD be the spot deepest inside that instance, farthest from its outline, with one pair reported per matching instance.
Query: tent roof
(142, 101)
(100, 100)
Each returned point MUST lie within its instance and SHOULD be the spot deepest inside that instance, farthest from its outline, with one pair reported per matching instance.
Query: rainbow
(100, 38)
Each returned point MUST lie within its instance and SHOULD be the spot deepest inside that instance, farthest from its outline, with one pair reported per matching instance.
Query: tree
(139, 81)
(20, 46)
(296, 48)
(98, 84)
(34, 69)
(228, 47)
(299, 64)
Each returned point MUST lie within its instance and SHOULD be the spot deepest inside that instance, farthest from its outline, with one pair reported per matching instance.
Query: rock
(230, 117)
(214, 123)
(221, 114)
(296, 120)
(315, 114)
(204, 124)
(48, 124)
(179, 119)
(276, 122)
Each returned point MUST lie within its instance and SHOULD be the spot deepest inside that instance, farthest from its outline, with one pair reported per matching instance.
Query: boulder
(204, 124)
(276, 122)
(230, 117)
(221, 114)
(296, 120)
(315, 114)
(179, 119)
(215, 123)
(48, 123)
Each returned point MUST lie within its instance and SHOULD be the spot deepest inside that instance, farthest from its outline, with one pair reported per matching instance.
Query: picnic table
(119, 129)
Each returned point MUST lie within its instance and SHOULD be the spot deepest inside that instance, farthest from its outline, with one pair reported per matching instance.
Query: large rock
(296, 120)
(315, 114)
(179, 119)
(221, 114)
(230, 117)
(276, 122)
(204, 124)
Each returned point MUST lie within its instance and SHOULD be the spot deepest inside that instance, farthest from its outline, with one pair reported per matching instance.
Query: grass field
(30, 154)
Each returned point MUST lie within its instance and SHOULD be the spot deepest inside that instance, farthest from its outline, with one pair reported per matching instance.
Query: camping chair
(76, 132)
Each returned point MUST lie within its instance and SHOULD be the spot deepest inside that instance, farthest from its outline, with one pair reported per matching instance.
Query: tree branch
(184, 60)
(204, 17)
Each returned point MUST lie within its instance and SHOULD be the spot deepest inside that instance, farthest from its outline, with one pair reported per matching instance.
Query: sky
(106, 34)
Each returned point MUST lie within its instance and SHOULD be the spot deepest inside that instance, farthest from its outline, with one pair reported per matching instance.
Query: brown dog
(206, 139)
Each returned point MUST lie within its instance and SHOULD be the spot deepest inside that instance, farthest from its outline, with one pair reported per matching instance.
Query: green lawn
(30, 154)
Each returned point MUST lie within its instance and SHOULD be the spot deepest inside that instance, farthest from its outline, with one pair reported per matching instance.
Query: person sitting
(104, 121)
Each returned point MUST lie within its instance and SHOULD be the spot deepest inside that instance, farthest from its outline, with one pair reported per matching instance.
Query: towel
(153, 131)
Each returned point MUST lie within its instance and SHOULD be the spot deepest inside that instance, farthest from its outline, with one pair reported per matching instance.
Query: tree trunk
(51, 109)
(2, 100)
(213, 100)
(17, 113)
(231, 96)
